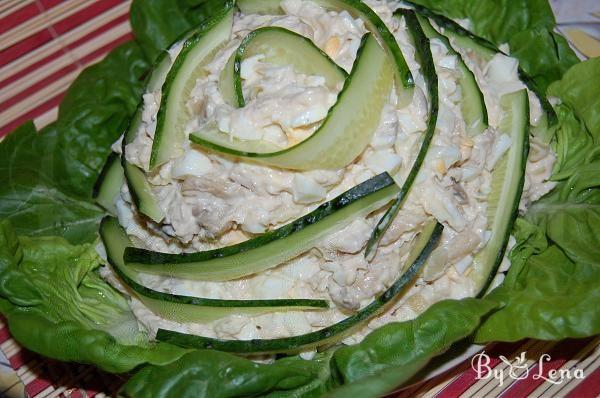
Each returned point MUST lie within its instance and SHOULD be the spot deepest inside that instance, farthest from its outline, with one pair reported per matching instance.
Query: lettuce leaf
(543, 54)
(547, 296)
(49, 276)
(552, 290)
(33, 193)
(93, 114)
(578, 137)
(386, 360)
(156, 24)
(209, 373)
(496, 20)
(572, 140)
(377, 365)
(46, 178)
(577, 91)
(57, 305)
(526, 25)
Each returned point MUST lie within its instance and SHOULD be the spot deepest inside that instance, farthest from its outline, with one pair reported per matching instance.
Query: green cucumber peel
(424, 245)
(180, 80)
(508, 178)
(271, 248)
(136, 178)
(358, 9)
(487, 49)
(108, 184)
(186, 308)
(137, 181)
(330, 150)
(473, 106)
(344, 133)
(279, 46)
(423, 52)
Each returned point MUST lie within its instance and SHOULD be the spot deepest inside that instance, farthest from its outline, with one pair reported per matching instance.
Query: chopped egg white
(193, 163)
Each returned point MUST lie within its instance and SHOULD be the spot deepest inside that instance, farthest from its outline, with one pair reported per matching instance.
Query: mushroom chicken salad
(299, 173)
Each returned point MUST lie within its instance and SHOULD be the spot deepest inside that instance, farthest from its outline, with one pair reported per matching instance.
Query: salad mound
(333, 181)
(218, 209)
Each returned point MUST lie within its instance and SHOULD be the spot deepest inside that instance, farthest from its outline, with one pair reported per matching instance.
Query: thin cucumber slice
(358, 9)
(141, 192)
(271, 248)
(424, 245)
(347, 128)
(423, 52)
(137, 181)
(109, 182)
(187, 308)
(210, 137)
(155, 81)
(279, 46)
(507, 186)
(179, 82)
(486, 50)
(472, 103)
(161, 68)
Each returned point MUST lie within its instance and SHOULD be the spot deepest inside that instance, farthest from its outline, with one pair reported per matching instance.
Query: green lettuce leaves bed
(57, 304)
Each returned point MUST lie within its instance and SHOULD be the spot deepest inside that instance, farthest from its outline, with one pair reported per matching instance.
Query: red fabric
(84, 15)
(19, 16)
(54, 101)
(4, 334)
(48, 4)
(588, 388)
(469, 377)
(37, 386)
(17, 50)
(36, 87)
(48, 59)
(21, 358)
(40, 110)
(559, 355)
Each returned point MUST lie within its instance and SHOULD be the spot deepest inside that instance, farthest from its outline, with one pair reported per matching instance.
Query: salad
(307, 197)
